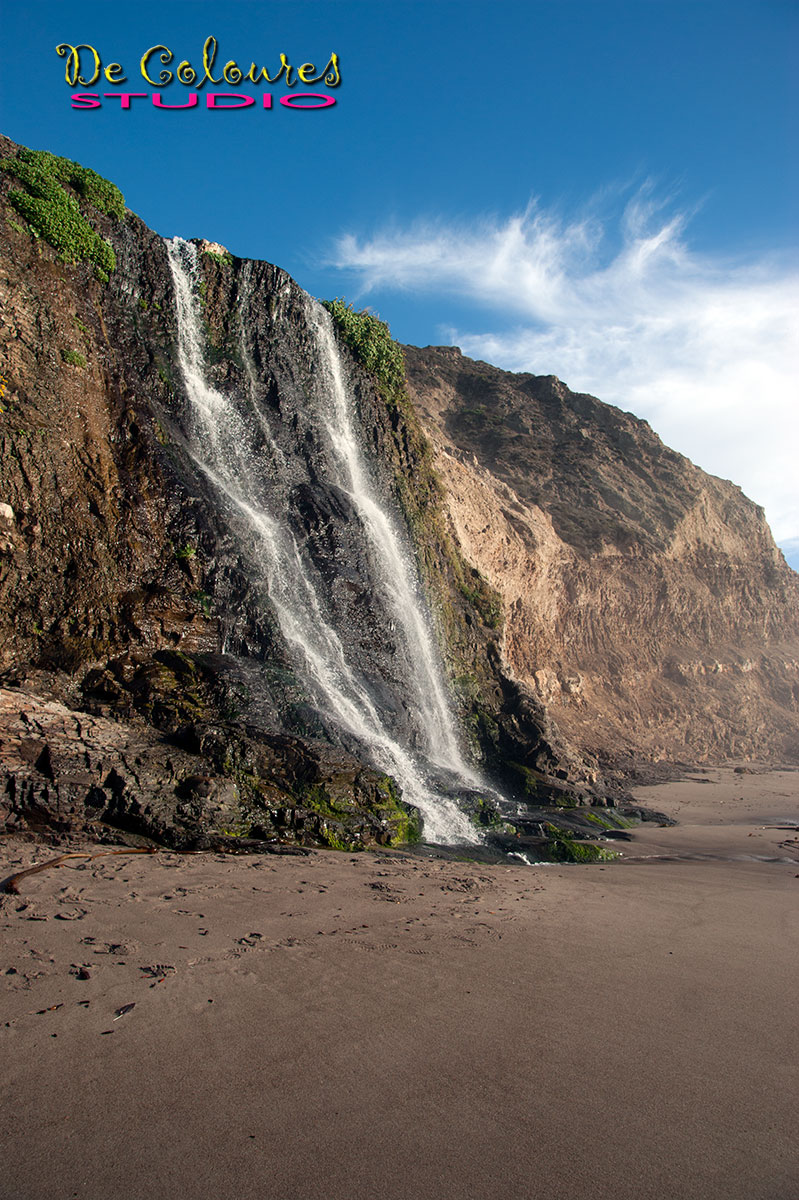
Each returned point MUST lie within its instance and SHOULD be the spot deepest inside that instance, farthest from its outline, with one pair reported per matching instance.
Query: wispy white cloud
(706, 349)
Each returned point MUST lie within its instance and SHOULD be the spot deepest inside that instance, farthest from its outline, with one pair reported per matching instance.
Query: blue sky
(602, 191)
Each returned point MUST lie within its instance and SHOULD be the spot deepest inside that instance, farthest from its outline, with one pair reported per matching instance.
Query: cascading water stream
(231, 442)
(392, 558)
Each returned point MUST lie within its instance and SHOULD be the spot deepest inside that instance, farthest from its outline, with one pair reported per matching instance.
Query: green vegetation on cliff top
(371, 342)
(55, 214)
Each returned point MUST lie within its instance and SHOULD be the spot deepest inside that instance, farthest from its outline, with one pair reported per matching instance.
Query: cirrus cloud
(622, 307)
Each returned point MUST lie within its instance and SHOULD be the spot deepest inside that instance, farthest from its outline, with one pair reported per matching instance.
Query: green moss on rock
(401, 822)
(537, 787)
(608, 820)
(54, 213)
(405, 820)
(335, 839)
(225, 259)
(563, 847)
(485, 815)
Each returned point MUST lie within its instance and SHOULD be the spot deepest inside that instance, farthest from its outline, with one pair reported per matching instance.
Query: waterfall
(237, 445)
(391, 554)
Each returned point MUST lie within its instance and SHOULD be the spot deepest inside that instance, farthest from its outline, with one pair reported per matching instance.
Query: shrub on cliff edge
(54, 214)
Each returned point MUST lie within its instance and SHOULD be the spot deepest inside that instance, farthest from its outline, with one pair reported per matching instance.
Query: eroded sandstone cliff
(643, 600)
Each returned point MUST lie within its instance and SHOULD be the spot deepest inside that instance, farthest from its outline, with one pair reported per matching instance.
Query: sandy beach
(383, 1025)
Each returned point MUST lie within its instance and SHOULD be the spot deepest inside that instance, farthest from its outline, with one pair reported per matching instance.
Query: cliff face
(644, 601)
(217, 526)
(121, 582)
(183, 558)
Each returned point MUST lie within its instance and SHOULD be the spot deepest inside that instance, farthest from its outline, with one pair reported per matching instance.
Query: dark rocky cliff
(128, 596)
(147, 683)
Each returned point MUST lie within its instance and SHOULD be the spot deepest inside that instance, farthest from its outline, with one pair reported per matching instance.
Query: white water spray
(231, 443)
(391, 557)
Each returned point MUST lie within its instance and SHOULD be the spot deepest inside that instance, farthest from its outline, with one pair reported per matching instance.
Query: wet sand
(376, 1027)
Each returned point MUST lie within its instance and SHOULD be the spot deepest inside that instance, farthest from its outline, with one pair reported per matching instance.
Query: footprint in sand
(251, 940)
(157, 971)
(463, 885)
(374, 946)
(484, 931)
(384, 891)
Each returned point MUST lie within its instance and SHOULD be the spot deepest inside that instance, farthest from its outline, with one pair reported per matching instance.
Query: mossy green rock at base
(564, 847)
(400, 823)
